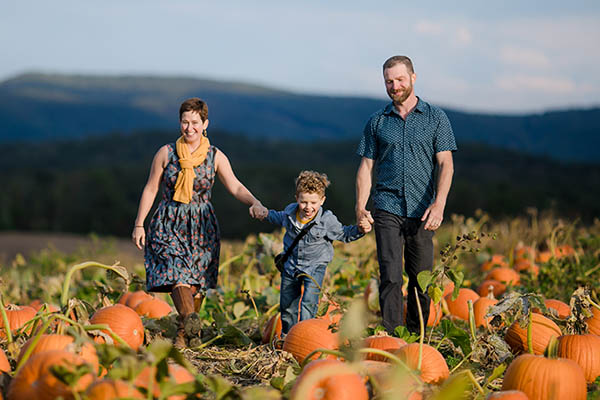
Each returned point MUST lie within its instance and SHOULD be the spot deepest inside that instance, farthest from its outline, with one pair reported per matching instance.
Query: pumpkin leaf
(219, 386)
(353, 323)
(234, 336)
(405, 334)
(435, 293)
(454, 388)
(457, 336)
(260, 393)
(239, 308)
(424, 278)
(496, 373)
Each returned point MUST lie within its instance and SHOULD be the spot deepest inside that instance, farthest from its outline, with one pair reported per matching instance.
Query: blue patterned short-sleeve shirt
(404, 153)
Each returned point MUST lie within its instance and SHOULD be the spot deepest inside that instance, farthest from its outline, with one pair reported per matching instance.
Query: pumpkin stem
(471, 320)
(529, 332)
(552, 349)
(393, 357)
(9, 337)
(422, 328)
(490, 294)
(119, 270)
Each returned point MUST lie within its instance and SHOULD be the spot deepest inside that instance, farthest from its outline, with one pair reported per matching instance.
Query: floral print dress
(183, 241)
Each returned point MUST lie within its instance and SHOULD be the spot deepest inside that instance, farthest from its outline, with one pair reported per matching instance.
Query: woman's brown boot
(189, 323)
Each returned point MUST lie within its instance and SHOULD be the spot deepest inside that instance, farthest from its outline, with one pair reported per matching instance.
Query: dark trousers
(402, 242)
(291, 296)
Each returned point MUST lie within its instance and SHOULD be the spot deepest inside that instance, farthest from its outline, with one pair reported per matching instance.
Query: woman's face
(192, 126)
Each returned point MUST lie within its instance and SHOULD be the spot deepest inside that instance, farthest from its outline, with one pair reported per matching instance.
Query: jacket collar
(291, 209)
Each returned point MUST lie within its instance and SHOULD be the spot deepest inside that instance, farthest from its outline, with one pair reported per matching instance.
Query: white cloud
(537, 83)
(427, 27)
(463, 36)
(530, 58)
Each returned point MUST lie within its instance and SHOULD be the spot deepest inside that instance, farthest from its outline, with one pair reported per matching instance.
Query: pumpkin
(542, 378)
(309, 335)
(505, 275)
(177, 374)
(542, 330)
(433, 365)
(497, 260)
(593, 322)
(562, 310)
(36, 381)
(153, 308)
(584, 350)
(459, 307)
(272, 329)
(109, 389)
(4, 364)
(382, 342)
(37, 304)
(17, 317)
(524, 253)
(526, 266)
(448, 288)
(123, 298)
(136, 298)
(480, 309)
(508, 395)
(563, 251)
(498, 288)
(61, 342)
(342, 384)
(123, 321)
(543, 256)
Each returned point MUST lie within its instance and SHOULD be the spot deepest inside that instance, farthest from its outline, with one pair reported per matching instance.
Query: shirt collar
(292, 208)
(420, 107)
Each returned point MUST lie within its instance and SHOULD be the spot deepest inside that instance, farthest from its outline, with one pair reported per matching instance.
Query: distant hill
(49, 107)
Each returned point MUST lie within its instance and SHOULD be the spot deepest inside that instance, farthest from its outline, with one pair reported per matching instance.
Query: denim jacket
(315, 248)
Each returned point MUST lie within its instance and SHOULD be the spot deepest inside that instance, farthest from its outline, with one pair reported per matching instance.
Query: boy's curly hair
(311, 182)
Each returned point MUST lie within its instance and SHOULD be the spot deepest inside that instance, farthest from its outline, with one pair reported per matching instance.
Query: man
(404, 143)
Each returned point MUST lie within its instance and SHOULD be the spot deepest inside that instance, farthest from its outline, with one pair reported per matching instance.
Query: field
(459, 355)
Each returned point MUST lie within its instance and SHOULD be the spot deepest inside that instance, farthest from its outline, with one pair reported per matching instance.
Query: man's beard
(400, 97)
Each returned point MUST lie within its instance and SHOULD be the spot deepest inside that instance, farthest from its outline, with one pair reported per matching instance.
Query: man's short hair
(196, 105)
(390, 62)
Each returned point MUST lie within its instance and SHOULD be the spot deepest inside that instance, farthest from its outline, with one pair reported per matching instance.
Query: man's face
(398, 83)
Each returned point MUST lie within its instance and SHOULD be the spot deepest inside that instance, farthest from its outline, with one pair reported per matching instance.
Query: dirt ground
(108, 249)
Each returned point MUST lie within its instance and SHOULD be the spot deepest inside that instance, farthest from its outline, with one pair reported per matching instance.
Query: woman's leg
(310, 298)
(189, 322)
(288, 301)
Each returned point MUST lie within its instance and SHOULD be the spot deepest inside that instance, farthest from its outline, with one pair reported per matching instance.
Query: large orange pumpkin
(109, 389)
(526, 266)
(524, 253)
(62, 342)
(272, 329)
(505, 275)
(433, 365)
(508, 395)
(307, 336)
(498, 288)
(542, 378)
(136, 298)
(339, 385)
(584, 350)
(459, 307)
(153, 308)
(543, 256)
(562, 309)
(563, 251)
(36, 381)
(17, 317)
(497, 260)
(480, 309)
(593, 322)
(382, 342)
(4, 364)
(123, 321)
(542, 330)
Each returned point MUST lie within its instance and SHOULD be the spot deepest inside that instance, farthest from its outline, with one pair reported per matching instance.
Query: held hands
(364, 220)
(139, 237)
(434, 215)
(258, 211)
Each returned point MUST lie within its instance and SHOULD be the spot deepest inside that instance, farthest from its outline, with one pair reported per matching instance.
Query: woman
(182, 248)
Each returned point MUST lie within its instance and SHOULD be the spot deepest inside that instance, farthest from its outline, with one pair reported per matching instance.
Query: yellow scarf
(184, 187)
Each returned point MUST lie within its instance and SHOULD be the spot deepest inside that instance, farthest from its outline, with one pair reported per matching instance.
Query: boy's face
(309, 204)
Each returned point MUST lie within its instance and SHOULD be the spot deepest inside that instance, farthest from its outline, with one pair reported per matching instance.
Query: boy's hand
(364, 226)
(258, 211)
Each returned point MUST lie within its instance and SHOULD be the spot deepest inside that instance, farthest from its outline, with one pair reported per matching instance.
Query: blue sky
(513, 57)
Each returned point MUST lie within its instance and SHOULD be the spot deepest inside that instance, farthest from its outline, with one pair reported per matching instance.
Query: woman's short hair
(311, 182)
(194, 104)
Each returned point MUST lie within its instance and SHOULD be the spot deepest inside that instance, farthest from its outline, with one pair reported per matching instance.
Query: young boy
(314, 251)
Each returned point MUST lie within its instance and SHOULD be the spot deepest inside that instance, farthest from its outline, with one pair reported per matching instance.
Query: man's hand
(364, 220)
(434, 215)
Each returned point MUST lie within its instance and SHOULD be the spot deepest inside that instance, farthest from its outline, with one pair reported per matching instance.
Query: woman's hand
(258, 211)
(139, 237)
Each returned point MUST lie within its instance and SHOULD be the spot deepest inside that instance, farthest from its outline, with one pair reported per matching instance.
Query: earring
(204, 133)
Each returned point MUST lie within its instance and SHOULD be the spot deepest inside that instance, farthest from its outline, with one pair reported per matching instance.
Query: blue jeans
(290, 296)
